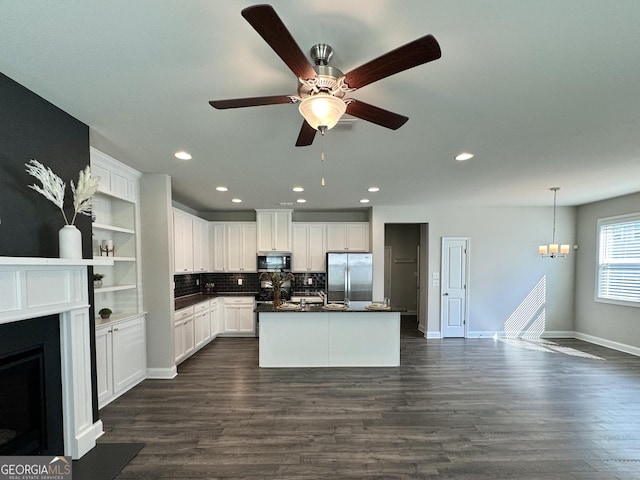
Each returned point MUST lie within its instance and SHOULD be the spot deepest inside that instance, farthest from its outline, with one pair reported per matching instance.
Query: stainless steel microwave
(274, 262)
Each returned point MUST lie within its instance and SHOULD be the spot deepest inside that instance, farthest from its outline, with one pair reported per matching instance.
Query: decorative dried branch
(52, 185)
(82, 195)
(53, 189)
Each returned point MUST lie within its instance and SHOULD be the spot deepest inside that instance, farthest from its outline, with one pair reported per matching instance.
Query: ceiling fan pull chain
(322, 160)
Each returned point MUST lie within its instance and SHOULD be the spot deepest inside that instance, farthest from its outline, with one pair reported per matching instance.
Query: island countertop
(315, 337)
(354, 307)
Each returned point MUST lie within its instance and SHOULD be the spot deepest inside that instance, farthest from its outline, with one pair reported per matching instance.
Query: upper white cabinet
(116, 179)
(348, 237)
(233, 246)
(309, 247)
(117, 217)
(200, 229)
(274, 230)
(182, 242)
(190, 243)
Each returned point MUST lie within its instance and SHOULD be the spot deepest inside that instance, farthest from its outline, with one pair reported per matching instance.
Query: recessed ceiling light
(298, 189)
(301, 200)
(236, 200)
(222, 189)
(464, 156)
(373, 189)
(364, 200)
(182, 155)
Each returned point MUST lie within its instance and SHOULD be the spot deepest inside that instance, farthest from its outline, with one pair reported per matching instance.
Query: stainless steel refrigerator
(349, 275)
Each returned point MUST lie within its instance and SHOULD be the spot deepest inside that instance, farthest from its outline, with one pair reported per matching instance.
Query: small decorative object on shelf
(97, 280)
(105, 313)
(53, 188)
(106, 248)
(277, 281)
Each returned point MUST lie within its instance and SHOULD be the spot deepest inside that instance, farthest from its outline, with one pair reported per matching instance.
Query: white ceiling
(545, 93)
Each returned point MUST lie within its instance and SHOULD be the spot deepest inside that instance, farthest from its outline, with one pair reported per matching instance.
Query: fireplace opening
(31, 420)
(22, 408)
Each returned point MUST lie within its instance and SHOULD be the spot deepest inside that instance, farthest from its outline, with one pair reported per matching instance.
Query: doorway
(405, 259)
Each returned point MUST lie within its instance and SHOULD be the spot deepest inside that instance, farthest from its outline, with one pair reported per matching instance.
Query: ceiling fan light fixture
(322, 110)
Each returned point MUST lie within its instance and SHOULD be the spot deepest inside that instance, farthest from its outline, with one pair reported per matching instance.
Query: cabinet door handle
(115, 329)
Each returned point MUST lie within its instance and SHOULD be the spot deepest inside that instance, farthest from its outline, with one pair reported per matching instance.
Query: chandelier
(553, 250)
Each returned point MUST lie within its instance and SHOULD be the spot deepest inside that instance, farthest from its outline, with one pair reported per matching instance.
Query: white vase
(70, 242)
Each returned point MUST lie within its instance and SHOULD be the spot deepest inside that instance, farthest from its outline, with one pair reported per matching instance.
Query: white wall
(603, 323)
(504, 266)
(157, 272)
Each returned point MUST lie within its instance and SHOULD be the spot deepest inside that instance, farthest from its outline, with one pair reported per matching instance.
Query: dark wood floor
(456, 408)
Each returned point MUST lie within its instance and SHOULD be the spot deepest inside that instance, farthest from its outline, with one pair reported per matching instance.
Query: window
(618, 279)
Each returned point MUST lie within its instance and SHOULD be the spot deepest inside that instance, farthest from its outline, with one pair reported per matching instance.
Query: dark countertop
(269, 308)
(190, 300)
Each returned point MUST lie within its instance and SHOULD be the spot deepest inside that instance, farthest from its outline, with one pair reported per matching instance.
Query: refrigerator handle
(347, 283)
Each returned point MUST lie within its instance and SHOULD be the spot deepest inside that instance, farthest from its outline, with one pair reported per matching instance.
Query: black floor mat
(105, 461)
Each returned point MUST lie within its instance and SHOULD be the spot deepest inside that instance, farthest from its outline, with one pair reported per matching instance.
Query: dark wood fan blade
(265, 20)
(306, 135)
(422, 50)
(376, 115)
(250, 102)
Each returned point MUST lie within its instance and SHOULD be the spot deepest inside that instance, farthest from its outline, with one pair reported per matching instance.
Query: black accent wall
(32, 127)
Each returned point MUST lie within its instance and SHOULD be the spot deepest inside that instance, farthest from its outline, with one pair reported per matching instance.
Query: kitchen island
(318, 337)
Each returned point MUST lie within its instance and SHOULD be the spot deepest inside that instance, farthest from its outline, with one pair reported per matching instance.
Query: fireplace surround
(31, 288)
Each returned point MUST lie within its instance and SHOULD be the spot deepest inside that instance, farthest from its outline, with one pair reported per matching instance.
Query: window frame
(604, 221)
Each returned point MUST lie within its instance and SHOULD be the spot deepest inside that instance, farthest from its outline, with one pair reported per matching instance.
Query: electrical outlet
(239, 282)
(197, 282)
(435, 276)
(436, 283)
(310, 281)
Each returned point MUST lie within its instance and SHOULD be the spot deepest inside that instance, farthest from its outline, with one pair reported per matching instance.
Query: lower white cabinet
(239, 316)
(183, 333)
(215, 324)
(121, 358)
(201, 324)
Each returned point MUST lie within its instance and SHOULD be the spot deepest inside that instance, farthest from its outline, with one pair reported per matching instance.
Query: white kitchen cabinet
(233, 247)
(274, 230)
(200, 230)
(190, 243)
(201, 324)
(120, 357)
(309, 247)
(348, 237)
(238, 316)
(214, 317)
(184, 333)
(218, 235)
(241, 247)
(182, 242)
(116, 221)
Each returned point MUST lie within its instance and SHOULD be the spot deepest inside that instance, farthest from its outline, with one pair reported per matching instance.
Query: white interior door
(453, 304)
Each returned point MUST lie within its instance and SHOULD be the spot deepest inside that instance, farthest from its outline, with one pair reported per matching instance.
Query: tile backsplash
(192, 283)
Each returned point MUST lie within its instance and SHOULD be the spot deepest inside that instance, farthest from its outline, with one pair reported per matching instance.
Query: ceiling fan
(322, 87)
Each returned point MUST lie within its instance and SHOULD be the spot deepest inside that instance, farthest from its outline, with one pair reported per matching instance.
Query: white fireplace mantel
(37, 287)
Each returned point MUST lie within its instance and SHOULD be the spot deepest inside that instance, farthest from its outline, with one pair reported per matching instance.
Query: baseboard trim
(162, 373)
(559, 334)
(603, 342)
